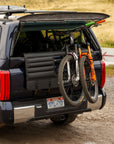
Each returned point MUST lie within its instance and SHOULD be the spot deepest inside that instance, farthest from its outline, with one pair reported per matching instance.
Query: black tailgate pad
(40, 70)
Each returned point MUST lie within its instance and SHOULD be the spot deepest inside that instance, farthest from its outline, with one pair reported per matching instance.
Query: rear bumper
(28, 113)
(11, 113)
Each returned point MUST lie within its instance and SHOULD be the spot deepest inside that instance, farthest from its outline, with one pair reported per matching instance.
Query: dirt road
(95, 127)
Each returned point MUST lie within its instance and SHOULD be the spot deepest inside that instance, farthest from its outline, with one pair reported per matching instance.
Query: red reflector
(103, 76)
(4, 85)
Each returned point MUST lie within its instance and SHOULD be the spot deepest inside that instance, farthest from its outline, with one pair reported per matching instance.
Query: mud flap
(40, 71)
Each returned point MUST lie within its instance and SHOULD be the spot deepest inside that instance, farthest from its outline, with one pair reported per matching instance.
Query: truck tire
(63, 119)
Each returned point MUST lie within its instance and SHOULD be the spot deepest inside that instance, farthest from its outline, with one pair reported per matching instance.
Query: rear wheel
(89, 86)
(69, 84)
(63, 119)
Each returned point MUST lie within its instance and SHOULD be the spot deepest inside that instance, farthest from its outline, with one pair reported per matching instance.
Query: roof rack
(44, 11)
(9, 10)
(12, 9)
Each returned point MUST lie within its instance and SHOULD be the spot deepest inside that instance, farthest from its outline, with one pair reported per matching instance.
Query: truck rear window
(45, 40)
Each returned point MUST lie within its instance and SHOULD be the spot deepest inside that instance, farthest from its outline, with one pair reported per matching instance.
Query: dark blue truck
(30, 54)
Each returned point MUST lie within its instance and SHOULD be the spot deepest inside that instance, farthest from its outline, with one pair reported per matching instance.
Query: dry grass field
(104, 33)
(110, 71)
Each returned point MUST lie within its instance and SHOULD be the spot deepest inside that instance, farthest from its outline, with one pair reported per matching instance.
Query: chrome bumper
(97, 105)
(23, 114)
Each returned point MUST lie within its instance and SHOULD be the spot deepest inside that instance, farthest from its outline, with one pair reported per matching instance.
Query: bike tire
(91, 92)
(79, 94)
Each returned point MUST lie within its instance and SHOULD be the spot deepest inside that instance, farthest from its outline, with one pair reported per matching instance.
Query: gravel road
(95, 127)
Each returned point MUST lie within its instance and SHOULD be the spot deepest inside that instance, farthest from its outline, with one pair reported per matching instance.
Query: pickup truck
(30, 54)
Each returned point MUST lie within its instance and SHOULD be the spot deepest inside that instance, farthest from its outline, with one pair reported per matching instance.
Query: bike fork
(68, 71)
(91, 63)
(74, 54)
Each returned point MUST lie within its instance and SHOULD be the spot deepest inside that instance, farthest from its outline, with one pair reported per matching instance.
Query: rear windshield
(45, 41)
(50, 40)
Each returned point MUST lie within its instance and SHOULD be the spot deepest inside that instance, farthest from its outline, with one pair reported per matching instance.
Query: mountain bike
(77, 78)
(76, 74)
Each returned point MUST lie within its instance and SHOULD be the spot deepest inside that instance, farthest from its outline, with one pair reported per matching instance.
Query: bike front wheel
(89, 86)
(69, 84)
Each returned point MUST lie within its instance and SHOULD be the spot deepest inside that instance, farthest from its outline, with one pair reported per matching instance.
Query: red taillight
(103, 73)
(4, 85)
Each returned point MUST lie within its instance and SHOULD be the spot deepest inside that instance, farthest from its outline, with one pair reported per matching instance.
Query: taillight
(4, 85)
(103, 73)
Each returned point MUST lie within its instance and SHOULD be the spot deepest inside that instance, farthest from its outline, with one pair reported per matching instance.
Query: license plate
(56, 102)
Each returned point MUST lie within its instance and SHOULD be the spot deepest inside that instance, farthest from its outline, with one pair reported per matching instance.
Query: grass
(105, 33)
(108, 44)
(111, 1)
(110, 70)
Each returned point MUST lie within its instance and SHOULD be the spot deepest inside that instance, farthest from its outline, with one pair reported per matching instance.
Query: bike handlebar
(94, 23)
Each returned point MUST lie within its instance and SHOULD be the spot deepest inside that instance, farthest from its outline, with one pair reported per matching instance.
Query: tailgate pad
(40, 71)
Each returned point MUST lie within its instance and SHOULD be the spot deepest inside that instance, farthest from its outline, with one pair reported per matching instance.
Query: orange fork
(91, 63)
